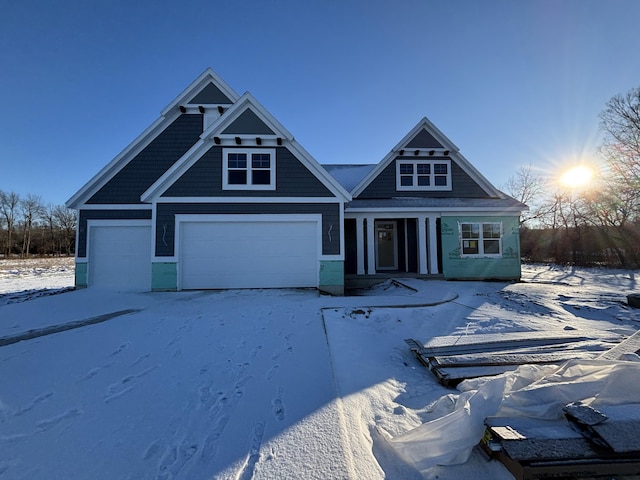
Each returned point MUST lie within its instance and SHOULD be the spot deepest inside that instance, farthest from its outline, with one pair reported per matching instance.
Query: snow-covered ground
(257, 384)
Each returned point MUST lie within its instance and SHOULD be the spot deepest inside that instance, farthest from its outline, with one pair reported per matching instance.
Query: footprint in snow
(152, 450)
(53, 421)
(248, 469)
(121, 348)
(210, 445)
(90, 374)
(278, 406)
(39, 399)
(140, 359)
(272, 371)
(116, 390)
(175, 458)
(255, 351)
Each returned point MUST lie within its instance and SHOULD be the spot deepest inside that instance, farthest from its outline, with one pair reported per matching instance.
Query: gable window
(423, 175)
(249, 169)
(481, 239)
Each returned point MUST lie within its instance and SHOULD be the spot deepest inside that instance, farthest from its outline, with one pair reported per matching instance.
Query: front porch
(382, 245)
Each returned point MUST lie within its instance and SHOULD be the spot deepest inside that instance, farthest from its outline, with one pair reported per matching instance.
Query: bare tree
(9, 203)
(31, 208)
(620, 121)
(66, 219)
(529, 188)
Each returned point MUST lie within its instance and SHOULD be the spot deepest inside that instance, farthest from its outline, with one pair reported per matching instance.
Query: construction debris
(524, 433)
(455, 358)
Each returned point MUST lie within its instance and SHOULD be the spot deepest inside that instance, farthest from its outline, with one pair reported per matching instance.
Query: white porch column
(422, 245)
(360, 245)
(371, 251)
(433, 246)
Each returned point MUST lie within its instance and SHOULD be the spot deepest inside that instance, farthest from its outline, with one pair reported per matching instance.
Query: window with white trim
(481, 239)
(423, 175)
(249, 169)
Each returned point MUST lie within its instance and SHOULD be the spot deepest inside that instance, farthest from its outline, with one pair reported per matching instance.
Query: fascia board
(430, 210)
(114, 166)
(319, 171)
(437, 134)
(475, 174)
(205, 77)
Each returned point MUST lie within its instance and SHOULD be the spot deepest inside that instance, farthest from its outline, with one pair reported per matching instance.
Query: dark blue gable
(144, 169)
(204, 179)
(384, 185)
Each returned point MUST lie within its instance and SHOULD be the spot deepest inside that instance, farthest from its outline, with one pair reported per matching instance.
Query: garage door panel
(120, 257)
(240, 254)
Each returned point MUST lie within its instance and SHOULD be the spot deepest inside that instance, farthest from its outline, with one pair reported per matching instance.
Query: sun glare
(577, 177)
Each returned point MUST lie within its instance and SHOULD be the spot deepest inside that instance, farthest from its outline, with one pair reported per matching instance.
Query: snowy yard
(244, 384)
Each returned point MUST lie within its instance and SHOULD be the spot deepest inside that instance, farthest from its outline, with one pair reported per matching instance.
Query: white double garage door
(213, 251)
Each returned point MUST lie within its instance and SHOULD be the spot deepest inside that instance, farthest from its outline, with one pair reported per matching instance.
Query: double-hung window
(423, 175)
(481, 239)
(249, 169)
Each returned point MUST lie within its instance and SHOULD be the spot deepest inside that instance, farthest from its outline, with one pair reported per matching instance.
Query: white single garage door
(120, 257)
(248, 254)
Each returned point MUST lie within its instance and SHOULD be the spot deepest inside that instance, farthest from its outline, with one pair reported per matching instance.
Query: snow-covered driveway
(197, 385)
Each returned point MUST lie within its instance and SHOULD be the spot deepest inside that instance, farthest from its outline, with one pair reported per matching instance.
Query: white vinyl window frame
(253, 167)
(423, 175)
(480, 239)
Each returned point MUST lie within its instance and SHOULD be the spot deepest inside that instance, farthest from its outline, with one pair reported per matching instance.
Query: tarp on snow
(532, 391)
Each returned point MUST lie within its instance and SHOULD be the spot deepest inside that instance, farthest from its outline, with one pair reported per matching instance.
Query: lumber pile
(455, 358)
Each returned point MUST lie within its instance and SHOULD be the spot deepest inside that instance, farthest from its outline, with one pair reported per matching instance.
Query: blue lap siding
(144, 169)
(384, 185)
(104, 215)
(204, 179)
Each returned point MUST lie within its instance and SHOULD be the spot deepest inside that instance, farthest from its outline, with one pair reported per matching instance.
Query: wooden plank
(499, 358)
(480, 343)
(630, 345)
(451, 376)
(470, 339)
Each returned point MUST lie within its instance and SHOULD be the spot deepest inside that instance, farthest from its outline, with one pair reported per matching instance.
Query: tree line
(598, 224)
(29, 227)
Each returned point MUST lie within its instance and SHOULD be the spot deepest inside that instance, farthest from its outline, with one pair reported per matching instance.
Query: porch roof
(506, 204)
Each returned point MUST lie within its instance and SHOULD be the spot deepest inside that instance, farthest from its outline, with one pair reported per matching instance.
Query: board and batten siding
(151, 163)
(104, 215)
(166, 224)
(384, 185)
(204, 179)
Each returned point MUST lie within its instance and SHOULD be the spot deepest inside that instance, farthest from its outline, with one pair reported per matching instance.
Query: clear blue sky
(510, 82)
